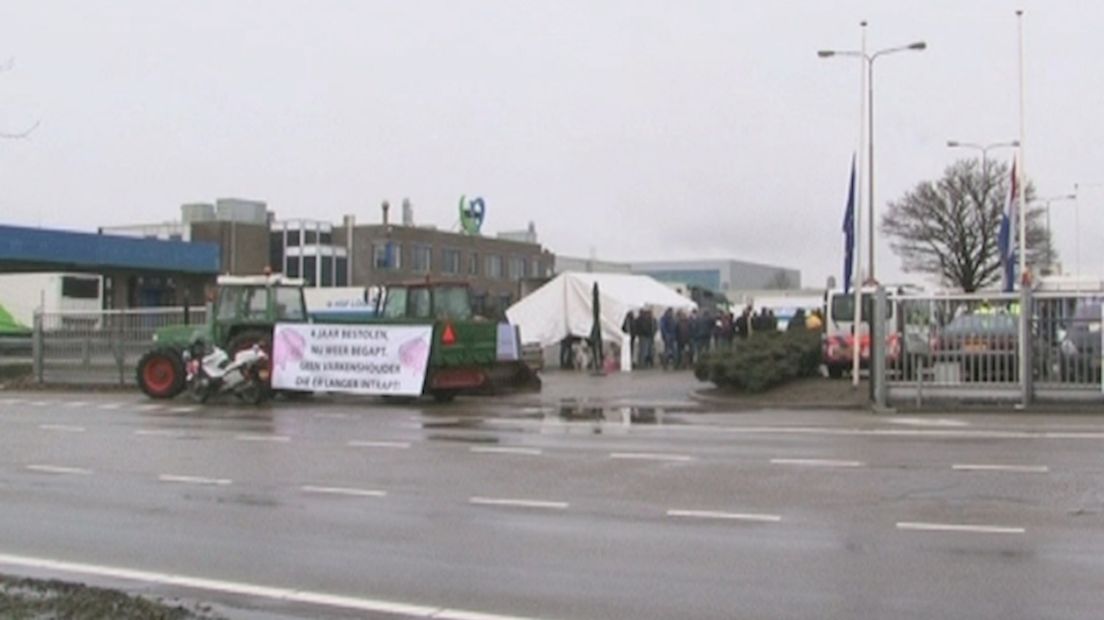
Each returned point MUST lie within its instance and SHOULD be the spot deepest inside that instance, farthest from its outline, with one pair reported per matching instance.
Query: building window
(473, 264)
(310, 275)
(421, 259)
(534, 268)
(341, 275)
(176, 237)
(327, 271)
(387, 255)
(276, 251)
(325, 237)
(292, 269)
(293, 238)
(494, 267)
(450, 261)
(310, 237)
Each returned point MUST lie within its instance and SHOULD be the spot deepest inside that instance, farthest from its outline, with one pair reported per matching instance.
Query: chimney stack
(385, 207)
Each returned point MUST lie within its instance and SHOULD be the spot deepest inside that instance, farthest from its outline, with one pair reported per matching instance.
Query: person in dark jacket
(628, 326)
(668, 330)
(702, 327)
(797, 322)
(645, 338)
(683, 334)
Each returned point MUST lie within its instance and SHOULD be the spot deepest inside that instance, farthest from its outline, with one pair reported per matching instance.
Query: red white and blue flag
(1006, 244)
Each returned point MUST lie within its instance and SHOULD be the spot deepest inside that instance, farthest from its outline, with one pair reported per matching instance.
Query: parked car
(983, 344)
(1080, 348)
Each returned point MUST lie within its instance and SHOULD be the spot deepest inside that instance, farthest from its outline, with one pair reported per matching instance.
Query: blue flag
(1006, 247)
(849, 232)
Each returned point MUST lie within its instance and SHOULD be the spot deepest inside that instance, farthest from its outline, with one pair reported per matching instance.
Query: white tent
(562, 307)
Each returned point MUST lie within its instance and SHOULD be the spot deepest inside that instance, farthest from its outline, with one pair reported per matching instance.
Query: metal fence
(99, 347)
(1016, 347)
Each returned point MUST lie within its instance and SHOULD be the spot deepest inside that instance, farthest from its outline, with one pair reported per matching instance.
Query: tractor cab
(255, 303)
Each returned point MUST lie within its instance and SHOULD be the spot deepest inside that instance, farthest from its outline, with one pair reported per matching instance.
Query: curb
(741, 404)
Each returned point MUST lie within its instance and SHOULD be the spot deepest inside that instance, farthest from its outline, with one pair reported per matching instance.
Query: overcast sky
(644, 130)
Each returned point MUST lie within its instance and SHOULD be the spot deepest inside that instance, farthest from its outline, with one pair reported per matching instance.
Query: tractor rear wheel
(160, 373)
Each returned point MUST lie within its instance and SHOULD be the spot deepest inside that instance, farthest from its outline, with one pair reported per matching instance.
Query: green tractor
(468, 354)
(243, 314)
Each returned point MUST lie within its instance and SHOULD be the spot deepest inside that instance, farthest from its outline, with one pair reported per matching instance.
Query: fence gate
(1012, 347)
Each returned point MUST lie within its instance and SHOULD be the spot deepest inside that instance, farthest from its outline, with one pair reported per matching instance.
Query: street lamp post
(869, 60)
(984, 148)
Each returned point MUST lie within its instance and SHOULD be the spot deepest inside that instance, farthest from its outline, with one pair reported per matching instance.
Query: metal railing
(99, 347)
(968, 347)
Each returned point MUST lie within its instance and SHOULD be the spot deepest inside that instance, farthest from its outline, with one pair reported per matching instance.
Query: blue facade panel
(66, 250)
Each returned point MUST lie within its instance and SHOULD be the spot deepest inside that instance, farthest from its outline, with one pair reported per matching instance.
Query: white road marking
(57, 469)
(331, 416)
(923, 433)
(951, 527)
(76, 403)
(649, 456)
(506, 450)
(62, 428)
(1026, 469)
(935, 422)
(379, 444)
(733, 516)
(149, 407)
(519, 503)
(194, 480)
(269, 438)
(817, 462)
(186, 409)
(239, 588)
(40, 403)
(157, 432)
(110, 406)
(11, 401)
(343, 491)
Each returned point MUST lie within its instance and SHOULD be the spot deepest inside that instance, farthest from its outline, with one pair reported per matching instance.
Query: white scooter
(245, 376)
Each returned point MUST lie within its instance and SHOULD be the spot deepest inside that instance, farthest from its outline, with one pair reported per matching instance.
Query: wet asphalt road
(523, 507)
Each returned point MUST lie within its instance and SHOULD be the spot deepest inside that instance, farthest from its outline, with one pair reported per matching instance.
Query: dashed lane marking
(343, 491)
(650, 456)
(62, 428)
(185, 409)
(817, 462)
(40, 403)
(194, 480)
(263, 438)
(957, 527)
(401, 445)
(151, 407)
(76, 403)
(1023, 469)
(518, 503)
(110, 406)
(58, 469)
(506, 450)
(731, 516)
(157, 432)
(308, 597)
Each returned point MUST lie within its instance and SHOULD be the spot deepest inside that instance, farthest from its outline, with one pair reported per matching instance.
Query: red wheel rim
(159, 375)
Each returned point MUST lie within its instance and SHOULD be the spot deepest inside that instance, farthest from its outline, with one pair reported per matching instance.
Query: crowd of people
(676, 339)
(685, 336)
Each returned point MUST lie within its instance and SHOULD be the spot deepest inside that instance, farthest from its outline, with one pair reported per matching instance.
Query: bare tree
(949, 227)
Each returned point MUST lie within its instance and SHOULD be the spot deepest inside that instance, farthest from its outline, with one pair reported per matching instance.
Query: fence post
(37, 348)
(1027, 311)
(878, 349)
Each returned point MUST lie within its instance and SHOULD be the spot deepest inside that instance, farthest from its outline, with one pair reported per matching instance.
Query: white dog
(580, 355)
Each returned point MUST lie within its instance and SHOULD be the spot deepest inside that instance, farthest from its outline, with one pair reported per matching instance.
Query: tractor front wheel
(160, 373)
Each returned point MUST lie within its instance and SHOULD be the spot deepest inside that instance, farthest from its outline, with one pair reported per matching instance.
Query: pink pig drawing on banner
(288, 348)
(413, 355)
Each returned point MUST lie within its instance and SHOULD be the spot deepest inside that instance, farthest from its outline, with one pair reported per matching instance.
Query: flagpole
(1022, 189)
(856, 340)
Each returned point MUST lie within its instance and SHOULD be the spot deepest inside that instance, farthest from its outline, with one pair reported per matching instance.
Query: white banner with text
(357, 359)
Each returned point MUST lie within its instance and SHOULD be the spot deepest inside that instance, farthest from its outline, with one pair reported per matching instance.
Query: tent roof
(562, 307)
